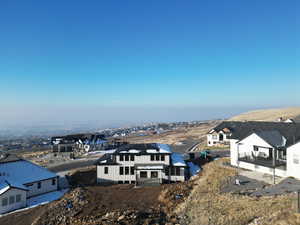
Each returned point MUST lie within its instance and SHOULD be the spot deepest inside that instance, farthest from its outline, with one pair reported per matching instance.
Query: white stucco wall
(16, 205)
(292, 157)
(262, 169)
(46, 186)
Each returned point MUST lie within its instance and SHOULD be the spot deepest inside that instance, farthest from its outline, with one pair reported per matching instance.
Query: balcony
(262, 161)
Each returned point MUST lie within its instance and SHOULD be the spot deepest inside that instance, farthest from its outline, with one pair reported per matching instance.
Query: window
(162, 158)
(18, 198)
(172, 171)
(178, 171)
(120, 182)
(121, 170)
(157, 157)
(296, 159)
(154, 174)
(106, 170)
(11, 199)
(121, 157)
(152, 157)
(39, 185)
(133, 181)
(215, 137)
(126, 170)
(167, 171)
(53, 181)
(131, 157)
(255, 148)
(126, 182)
(132, 170)
(4, 201)
(126, 157)
(143, 174)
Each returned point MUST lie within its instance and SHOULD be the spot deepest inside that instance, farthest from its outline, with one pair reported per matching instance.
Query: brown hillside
(269, 115)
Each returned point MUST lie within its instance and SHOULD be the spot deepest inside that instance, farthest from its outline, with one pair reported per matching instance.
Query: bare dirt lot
(88, 203)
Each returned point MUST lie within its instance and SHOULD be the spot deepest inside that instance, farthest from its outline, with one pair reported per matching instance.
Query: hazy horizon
(106, 63)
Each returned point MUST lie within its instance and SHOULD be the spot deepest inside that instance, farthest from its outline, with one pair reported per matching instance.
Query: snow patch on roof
(177, 159)
(134, 151)
(164, 148)
(4, 187)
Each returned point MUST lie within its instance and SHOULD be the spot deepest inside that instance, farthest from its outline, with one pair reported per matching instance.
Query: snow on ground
(45, 198)
(194, 169)
(40, 200)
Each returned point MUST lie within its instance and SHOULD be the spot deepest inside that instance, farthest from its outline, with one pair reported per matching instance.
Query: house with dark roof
(268, 147)
(21, 180)
(141, 164)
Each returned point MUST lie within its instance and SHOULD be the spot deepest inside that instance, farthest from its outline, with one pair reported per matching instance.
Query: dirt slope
(269, 115)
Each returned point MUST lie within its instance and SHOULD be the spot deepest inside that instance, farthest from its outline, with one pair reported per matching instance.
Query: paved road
(72, 165)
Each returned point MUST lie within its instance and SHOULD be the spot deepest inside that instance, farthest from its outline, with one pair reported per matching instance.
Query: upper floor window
(53, 181)
(4, 201)
(106, 170)
(126, 157)
(121, 157)
(162, 158)
(132, 170)
(131, 157)
(18, 198)
(121, 170)
(214, 136)
(152, 157)
(255, 148)
(39, 185)
(157, 157)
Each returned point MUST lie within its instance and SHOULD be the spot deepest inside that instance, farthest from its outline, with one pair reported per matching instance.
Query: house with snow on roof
(21, 180)
(268, 147)
(141, 164)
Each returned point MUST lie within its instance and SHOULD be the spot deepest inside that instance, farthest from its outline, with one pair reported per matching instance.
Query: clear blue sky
(138, 53)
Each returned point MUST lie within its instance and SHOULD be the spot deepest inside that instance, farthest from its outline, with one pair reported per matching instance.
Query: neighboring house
(20, 180)
(79, 142)
(220, 135)
(141, 164)
(267, 147)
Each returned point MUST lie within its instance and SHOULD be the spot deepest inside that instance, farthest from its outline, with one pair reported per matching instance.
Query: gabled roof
(241, 130)
(6, 157)
(6, 185)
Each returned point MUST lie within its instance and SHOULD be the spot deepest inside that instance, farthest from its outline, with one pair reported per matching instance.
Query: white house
(268, 147)
(141, 164)
(20, 180)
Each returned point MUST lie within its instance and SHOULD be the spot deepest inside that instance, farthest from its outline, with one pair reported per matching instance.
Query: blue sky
(148, 54)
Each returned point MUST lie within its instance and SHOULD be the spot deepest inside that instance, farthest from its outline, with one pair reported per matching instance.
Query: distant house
(268, 147)
(20, 180)
(78, 142)
(141, 164)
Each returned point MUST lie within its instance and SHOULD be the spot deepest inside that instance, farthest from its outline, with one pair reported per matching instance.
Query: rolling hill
(269, 115)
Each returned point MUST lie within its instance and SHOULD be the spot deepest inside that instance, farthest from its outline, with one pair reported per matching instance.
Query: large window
(4, 201)
(106, 170)
(121, 157)
(178, 171)
(152, 157)
(132, 170)
(126, 157)
(18, 198)
(11, 199)
(154, 174)
(131, 157)
(157, 157)
(162, 158)
(143, 174)
(121, 170)
(126, 170)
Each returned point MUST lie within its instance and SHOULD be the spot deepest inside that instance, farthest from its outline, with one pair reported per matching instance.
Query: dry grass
(269, 115)
(172, 137)
(206, 205)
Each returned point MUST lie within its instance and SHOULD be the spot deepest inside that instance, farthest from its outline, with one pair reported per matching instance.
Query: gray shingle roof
(240, 130)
